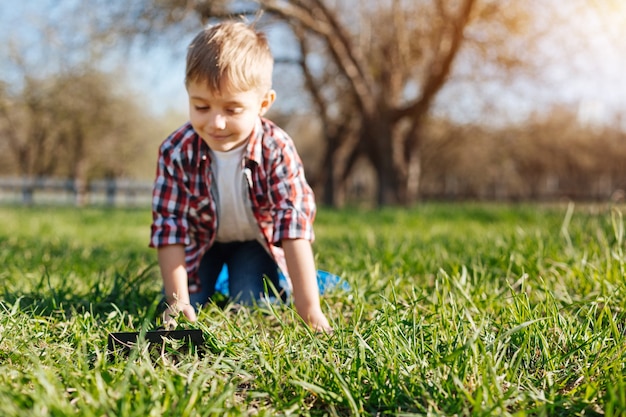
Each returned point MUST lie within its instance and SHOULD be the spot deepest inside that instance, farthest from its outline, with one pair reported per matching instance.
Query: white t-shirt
(235, 219)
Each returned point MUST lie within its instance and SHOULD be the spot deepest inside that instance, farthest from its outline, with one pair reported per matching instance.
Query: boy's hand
(301, 267)
(317, 320)
(172, 312)
(172, 264)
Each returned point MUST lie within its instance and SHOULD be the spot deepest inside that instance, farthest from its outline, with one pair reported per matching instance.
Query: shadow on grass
(134, 294)
(49, 275)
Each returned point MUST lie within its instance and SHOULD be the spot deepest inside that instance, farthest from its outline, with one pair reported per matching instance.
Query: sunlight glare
(612, 16)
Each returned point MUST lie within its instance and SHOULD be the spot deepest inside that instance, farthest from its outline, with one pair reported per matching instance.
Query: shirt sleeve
(169, 202)
(292, 196)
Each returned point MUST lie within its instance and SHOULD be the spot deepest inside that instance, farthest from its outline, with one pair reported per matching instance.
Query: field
(453, 310)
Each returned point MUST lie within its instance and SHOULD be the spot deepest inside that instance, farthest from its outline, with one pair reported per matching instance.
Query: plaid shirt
(184, 206)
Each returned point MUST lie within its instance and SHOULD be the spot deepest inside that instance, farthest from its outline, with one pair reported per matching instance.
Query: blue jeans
(251, 270)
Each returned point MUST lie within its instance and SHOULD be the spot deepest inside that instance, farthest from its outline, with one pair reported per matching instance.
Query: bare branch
(440, 66)
(320, 20)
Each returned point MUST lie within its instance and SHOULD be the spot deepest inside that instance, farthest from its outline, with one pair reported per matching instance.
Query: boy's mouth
(219, 137)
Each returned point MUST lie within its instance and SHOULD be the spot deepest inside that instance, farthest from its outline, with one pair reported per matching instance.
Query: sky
(589, 51)
(604, 86)
(594, 81)
(156, 73)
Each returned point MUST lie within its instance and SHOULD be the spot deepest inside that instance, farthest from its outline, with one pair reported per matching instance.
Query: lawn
(470, 309)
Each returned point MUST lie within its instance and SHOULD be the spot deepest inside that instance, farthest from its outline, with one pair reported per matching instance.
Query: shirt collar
(254, 151)
(202, 150)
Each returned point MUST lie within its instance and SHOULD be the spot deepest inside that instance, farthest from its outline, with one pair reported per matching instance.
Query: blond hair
(233, 53)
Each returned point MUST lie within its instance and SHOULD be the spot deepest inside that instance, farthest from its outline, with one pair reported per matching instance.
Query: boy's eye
(201, 108)
(234, 110)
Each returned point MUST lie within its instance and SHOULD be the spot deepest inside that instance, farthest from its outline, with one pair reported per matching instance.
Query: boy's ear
(267, 101)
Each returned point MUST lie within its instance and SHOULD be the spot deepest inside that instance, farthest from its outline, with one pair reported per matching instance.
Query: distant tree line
(67, 114)
(550, 157)
(74, 125)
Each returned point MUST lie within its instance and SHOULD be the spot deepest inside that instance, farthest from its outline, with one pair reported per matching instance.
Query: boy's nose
(218, 121)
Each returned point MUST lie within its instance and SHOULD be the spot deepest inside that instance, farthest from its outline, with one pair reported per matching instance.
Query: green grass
(454, 310)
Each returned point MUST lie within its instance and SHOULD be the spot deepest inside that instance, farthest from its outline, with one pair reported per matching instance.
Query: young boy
(230, 186)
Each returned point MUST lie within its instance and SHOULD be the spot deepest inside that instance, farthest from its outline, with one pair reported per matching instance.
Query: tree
(74, 125)
(63, 115)
(28, 129)
(99, 128)
(379, 69)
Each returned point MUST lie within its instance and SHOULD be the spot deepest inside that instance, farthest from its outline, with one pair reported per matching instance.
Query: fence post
(111, 191)
(80, 192)
(28, 188)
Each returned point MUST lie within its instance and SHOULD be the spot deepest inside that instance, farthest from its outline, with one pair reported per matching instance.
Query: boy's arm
(301, 266)
(172, 264)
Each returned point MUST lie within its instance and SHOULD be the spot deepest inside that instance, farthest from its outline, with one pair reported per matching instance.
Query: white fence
(49, 190)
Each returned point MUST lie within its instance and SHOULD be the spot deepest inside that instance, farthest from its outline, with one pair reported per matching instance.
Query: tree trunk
(80, 185)
(79, 173)
(387, 188)
(328, 176)
(377, 135)
(414, 173)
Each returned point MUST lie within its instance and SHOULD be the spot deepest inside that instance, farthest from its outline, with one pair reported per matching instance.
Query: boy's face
(225, 119)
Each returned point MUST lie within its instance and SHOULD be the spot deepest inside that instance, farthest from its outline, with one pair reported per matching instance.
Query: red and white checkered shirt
(184, 206)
